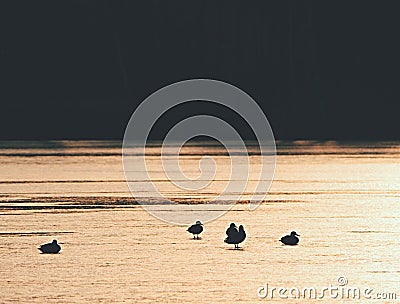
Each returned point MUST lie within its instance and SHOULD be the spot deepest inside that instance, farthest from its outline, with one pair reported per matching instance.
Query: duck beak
(297, 234)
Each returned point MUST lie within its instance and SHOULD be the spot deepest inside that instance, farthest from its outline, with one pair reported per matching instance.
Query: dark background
(76, 69)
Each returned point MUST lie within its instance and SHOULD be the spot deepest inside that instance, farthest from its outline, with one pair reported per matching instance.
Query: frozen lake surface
(342, 198)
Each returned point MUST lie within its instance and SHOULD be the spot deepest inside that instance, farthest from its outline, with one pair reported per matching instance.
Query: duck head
(293, 233)
(241, 228)
(199, 223)
(232, 225)
(54, 242)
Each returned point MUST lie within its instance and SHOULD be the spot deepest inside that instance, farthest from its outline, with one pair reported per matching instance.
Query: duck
(291, 239)
(235, 237)
(196, 229)
(52, 247)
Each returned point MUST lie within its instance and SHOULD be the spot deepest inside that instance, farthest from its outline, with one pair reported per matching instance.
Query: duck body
(196, 229)
(291, 239)
(52, 247)
(235, 236)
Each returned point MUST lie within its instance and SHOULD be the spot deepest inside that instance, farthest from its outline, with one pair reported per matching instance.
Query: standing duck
(196, 229)
(235, 237)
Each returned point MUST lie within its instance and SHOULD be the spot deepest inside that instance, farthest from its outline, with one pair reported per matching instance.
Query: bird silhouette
(291, 239)
(52, 247)
(196, 229)
(234, 236)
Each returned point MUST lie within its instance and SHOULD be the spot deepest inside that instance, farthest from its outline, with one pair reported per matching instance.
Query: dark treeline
(319, 69)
